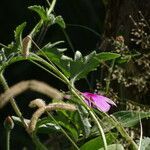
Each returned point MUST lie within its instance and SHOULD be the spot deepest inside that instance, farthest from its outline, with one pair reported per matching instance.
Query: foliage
(77, 123)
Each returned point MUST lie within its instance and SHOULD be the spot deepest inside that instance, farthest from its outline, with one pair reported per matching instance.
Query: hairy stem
(12, 101)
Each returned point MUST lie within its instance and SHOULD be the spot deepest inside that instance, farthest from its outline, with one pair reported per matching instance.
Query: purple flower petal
(88, 97)
(100, 102)
(109, 101)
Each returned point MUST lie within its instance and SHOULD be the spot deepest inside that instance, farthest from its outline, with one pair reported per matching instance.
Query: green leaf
(85, 123)
(40, 10)
(2, 56)
(60, 21)
(56, 56)
(66, 121)
(125, 118)
(80, 68)
(130, 118)
(18, 35)
(45, 16)
(51, 19)
(97, 142)
(47, 125)
(107, 56)
(51, 45)
(18, 121)
(114, 147)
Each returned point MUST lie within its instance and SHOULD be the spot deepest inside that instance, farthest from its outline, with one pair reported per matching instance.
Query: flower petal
(101, 103)
(88, 95)
(88, 102)
(109, 101)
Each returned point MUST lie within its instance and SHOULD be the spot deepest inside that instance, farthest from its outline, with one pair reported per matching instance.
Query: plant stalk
(12, 100)
(8, 139)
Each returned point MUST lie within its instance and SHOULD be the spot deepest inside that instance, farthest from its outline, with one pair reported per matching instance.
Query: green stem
(39, 25)
(51, 7)
(51, 67)
(8, 139)
(47, 70)
(109, 76)
(86, 28)
(100, 129)
(36, 29)
(68, 40)
(12, 100)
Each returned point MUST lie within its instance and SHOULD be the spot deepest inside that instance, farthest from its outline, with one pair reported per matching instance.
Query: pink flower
(97, 101)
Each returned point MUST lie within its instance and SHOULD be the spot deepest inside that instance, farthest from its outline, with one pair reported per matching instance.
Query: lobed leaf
(40, 11)
(80, 68)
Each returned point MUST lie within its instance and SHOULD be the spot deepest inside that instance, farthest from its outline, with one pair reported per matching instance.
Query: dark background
(106, 17)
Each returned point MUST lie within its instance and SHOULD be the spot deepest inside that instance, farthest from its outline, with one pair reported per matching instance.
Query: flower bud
(8, 123)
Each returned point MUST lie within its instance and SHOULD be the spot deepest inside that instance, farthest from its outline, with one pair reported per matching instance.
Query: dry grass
(50, 107)
(34, 85)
